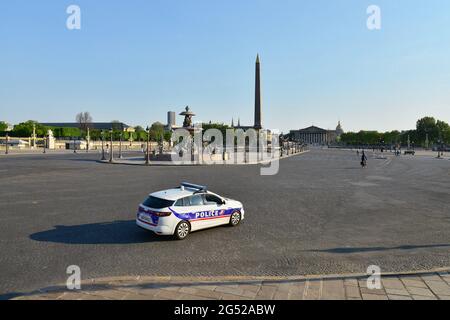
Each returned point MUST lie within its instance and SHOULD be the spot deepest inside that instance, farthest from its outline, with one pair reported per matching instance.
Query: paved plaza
(414, 286)
(321, 215)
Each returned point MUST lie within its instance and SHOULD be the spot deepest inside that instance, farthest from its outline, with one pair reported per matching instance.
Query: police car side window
(211, 199)
(197, 200)
(183, 202)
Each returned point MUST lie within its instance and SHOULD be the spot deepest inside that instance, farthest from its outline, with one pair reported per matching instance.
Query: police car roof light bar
(194, 186)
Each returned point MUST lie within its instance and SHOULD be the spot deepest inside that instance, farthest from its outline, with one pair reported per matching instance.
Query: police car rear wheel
(235, 219)
(182, 231)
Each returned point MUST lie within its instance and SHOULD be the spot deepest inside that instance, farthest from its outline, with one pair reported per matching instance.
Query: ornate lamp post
(147, 156)
(111, 153)
(120, 146)
(7, 143)
(439, 148)
(45, 144)
(88, 138)
(161, 150)
(34, 136)
(103, 146)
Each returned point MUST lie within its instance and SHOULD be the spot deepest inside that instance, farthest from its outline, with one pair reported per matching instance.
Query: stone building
(316, 135)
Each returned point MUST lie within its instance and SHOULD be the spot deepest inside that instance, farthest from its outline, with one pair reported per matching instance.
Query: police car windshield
(157, 203)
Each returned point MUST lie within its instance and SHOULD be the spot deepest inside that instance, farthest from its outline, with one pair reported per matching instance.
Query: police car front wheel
(235, 219)
(182, 230)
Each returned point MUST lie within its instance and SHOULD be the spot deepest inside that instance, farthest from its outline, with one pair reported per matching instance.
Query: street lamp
(120, 146)
(103, 146)
(111, 154)
(147, 157)
(7, 143)
(74, 145)
(88, 138)
(45, 144)
(439, 148)
(440, 145)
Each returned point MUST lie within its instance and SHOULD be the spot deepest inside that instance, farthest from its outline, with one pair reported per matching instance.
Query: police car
(185, 209)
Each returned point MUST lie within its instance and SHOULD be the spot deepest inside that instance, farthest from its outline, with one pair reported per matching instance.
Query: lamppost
(120, 146)
(147, 157)
(34, 136)
(88, 138)
(74, 145)
(439, 148)
(45, 144)
(7, 143)
(103, 146)
(111, 154)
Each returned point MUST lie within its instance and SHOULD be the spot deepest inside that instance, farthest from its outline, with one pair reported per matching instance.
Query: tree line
(25, 129)
(428, 132)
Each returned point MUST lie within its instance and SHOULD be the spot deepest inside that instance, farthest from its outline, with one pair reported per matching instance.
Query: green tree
(3, 126)
(167, 136)
(95, 134)
(25, 129)
(392, 137)
(156, 131)
(427, 125)
(66, 132)
(140, 134)
(444, 130)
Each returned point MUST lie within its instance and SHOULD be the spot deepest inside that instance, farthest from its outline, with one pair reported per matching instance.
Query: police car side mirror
(224, 202)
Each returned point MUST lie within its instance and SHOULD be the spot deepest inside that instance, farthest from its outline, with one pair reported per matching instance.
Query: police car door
(216, 209)
(199, 212)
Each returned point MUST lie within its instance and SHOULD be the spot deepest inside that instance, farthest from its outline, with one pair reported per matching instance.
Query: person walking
(363, 160)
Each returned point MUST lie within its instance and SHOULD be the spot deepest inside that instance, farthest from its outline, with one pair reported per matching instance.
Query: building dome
(339, 129)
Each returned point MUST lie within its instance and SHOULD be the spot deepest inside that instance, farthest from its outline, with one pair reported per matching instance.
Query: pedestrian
(363, 160)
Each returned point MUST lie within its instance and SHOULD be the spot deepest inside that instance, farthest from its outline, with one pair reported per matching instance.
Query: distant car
(185, 209)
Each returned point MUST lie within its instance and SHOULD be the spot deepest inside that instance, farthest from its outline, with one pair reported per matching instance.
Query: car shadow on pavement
(374, 249)
(115, 232)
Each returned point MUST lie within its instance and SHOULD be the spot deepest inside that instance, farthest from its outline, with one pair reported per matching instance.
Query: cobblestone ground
(417, 286)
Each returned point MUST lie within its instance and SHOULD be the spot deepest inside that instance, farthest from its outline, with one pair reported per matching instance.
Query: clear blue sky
(135, 60)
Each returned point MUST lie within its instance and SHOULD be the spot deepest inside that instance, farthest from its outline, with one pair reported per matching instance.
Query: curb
(263, 278)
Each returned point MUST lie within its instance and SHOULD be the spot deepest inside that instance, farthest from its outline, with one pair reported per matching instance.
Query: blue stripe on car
(203, 214)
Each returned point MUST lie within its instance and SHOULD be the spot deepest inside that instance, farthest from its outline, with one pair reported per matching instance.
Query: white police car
(185, 209)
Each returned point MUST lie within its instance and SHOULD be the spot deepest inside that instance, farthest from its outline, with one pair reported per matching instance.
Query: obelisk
(258, 124)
